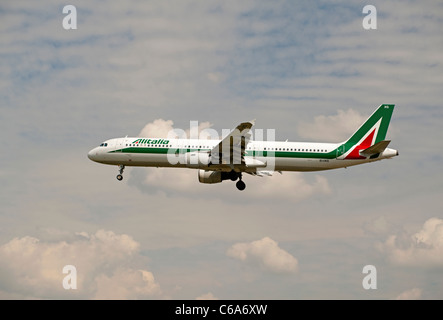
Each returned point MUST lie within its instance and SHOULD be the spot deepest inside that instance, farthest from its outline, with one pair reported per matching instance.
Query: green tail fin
(382, 114)
(370, 133)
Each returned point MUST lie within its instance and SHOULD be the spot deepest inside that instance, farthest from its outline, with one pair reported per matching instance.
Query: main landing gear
(120, 175)
(234, 176)
(240, 184)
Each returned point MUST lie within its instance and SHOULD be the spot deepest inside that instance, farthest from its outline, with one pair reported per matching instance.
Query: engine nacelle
(209, 176)
(216, 176)
(197, 160)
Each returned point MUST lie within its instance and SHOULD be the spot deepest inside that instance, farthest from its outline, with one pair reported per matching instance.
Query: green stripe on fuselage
(248, 153)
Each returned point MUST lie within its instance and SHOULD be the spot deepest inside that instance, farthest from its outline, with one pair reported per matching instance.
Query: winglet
(245, 126)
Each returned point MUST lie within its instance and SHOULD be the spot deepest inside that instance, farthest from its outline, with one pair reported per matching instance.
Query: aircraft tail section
(369, 139)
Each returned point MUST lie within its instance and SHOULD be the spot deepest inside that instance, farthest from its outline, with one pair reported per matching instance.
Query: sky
(308, 69)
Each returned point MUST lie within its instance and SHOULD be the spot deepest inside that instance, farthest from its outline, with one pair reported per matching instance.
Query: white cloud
(334, 128)
(160, 128)
(126, 284)
(413, 294)
(379, 225)
(266, 253)
(422, 249)
(432, 234)
(289, 186)
(104, 262)
(164, 179)
(206, 296)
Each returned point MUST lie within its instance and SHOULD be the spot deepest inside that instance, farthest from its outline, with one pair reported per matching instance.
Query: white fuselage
(272, 155)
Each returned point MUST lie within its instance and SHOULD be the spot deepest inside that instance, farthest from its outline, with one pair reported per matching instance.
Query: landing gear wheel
(121, 168)
(240, 185)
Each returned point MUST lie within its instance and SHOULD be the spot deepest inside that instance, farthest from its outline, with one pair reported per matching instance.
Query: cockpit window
(104, 145)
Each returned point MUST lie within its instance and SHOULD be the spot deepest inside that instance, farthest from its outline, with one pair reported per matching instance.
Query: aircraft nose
(92, 154)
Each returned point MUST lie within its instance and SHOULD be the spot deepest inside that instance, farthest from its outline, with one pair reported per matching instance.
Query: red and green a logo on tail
(370, 133)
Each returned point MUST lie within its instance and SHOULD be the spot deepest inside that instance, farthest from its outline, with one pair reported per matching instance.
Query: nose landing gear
(120, 175)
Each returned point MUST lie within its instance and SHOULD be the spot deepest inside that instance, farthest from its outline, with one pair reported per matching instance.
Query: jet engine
(209, 176)
(205, 176)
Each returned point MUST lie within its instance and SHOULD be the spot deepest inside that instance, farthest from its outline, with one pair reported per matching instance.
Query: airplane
(229, 158)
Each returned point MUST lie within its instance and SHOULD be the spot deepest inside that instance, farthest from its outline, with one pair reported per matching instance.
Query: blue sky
(306, 69)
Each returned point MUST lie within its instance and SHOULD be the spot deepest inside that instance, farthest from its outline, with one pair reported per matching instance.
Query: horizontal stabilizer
(375, 149)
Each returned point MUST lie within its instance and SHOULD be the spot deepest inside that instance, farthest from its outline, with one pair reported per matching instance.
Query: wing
(230, 152)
